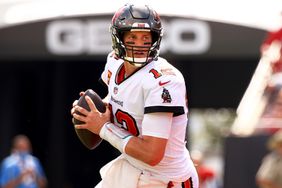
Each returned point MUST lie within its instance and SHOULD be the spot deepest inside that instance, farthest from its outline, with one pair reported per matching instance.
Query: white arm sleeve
(157, 124)
(116, 136)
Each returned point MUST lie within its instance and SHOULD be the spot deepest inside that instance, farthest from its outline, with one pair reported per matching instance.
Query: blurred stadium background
(52, 50)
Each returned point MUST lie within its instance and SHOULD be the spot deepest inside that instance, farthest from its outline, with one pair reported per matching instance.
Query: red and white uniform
(155, 87)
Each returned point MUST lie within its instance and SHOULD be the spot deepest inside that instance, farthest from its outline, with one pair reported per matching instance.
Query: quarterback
(146, 115)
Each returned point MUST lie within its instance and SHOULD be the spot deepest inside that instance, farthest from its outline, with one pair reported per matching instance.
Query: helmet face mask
(131, 18)
(132, 50)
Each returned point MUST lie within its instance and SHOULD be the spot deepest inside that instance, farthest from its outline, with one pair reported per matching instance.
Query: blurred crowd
(21, 169)
(271, 118)
(269, 174)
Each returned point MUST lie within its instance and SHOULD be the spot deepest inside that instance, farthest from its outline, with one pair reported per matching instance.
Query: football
(89, 139)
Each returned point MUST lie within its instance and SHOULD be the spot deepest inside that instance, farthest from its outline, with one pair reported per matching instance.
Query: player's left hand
(94, 120)
(75, 103)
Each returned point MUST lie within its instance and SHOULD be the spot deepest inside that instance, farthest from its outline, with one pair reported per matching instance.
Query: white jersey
(156, 87)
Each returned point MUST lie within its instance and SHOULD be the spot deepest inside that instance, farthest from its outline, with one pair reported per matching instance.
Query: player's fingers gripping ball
(89, 139)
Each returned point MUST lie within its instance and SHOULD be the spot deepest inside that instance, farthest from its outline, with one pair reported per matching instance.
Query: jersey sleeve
(166, 94)
(106, 74)
(157, 125)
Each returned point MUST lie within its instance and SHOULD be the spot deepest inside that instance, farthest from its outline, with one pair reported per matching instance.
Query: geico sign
(75, 37)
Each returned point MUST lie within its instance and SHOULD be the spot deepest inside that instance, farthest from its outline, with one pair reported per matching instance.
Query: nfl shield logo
(115, 90)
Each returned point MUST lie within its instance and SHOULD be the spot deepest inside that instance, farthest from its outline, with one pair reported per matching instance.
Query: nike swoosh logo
(163, 83)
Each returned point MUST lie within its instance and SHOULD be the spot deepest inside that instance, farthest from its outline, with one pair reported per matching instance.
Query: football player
(146, 117)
